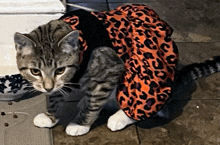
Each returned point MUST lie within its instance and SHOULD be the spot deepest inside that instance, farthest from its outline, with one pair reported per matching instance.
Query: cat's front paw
(74, 129)
(43, 120)
(119, 120)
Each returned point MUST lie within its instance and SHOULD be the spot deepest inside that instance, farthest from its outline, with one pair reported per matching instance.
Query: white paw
(42, 120)
(74, 129)
(119, 120)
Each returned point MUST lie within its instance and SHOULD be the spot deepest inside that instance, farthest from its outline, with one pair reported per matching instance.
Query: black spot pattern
(15, 83)
(143, 96)
(149, 103)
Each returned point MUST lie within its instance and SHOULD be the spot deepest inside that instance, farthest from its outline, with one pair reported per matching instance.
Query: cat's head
(48, 57)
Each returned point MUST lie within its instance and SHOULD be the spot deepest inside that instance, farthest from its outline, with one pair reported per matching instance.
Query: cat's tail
(198, 70)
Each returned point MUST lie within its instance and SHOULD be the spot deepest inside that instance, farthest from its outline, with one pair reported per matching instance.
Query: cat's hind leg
(119, 121)
(45, 120)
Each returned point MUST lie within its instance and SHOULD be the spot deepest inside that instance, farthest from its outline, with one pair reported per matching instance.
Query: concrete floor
(197, 33)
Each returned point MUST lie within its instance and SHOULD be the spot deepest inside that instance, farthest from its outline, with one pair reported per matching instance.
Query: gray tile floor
(16, 123)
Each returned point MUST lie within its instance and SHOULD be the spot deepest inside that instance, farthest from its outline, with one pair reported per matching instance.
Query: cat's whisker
(29, 87)
(63, 92)
(67, 94)
(72, 83)
(70, 88)
(31, 92)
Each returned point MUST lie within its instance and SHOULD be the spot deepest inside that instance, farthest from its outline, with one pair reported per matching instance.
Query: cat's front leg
(45, 120)
(75, 129)
(119, 120)
(104, 71)
(83, 121)
(49, 118)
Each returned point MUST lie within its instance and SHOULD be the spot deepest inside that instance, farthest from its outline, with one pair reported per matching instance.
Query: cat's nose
(49, 90)
(48, 85)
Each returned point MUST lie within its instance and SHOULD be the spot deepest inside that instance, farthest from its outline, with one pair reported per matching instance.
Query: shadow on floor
(183, 87)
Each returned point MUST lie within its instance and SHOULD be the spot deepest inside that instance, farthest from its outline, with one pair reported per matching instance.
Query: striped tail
(198, 70)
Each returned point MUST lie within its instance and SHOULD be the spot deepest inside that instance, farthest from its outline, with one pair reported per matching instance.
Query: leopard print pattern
(142, 40)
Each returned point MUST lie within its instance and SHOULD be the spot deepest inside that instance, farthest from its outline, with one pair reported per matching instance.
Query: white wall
(22, 16)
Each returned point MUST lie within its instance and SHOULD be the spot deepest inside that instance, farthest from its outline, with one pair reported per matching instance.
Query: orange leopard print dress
(142, 40)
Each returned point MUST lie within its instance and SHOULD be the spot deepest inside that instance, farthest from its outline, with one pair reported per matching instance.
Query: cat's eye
(60, 71)
(35, 72)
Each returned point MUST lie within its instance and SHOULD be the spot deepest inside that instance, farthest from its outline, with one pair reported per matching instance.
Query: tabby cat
(129, 48)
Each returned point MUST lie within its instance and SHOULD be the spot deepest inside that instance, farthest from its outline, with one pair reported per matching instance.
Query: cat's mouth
(51, 92)
(41, 89)
(63, 89)
(47, 93)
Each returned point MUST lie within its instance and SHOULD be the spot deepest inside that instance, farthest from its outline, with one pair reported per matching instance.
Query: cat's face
(48, 57)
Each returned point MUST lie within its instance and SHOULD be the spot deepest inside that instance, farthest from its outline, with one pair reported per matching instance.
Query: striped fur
(44, 52)
(104, 70)
(199, 70)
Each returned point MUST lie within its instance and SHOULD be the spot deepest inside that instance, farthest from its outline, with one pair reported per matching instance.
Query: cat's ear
(70, 42)
(23, 44)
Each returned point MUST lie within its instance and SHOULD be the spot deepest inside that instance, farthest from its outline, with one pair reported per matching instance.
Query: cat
(77, 49)
(50, 75)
